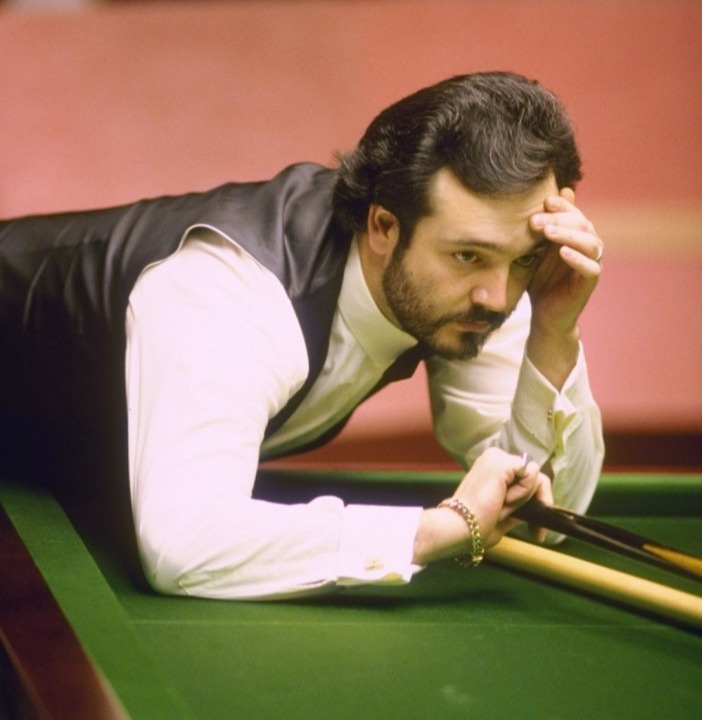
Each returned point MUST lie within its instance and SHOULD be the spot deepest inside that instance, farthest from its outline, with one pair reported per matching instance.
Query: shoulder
(211, 291)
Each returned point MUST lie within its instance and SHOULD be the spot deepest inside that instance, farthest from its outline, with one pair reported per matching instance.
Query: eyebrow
(538, 246)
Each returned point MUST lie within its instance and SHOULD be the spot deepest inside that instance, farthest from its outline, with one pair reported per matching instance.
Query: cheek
(518, 284)
(444, 292)
(440, 287)
(447, 280)
(420, 274)
(448, 291)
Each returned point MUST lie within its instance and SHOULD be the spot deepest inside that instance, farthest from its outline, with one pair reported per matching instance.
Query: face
(466, 266)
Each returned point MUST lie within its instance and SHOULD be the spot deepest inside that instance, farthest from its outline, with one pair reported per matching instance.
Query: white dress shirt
(214, 350)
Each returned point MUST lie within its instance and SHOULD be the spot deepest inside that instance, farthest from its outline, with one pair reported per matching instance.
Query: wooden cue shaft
(646, 595)
(610, 537)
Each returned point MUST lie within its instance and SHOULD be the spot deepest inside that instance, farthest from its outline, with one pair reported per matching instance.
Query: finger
(563, 202)
(545, 491)
(584, 265)
(572, 219)
(523, 467)
(584, 241)
(522, 488)
(561, 217)
(551, 223)
(538, 533)
(567, 194)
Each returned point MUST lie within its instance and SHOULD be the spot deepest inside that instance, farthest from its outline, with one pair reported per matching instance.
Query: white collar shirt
(214, 351)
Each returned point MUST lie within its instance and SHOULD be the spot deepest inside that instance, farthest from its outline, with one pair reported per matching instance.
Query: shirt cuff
(547, 417)
(377, 544)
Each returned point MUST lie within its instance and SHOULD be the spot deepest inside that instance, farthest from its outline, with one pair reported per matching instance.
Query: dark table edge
(32, 689)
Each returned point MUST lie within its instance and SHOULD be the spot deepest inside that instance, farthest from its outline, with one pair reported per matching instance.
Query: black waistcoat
(65, 280)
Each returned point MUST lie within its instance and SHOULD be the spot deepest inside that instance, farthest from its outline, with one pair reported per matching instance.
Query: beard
(412, 307)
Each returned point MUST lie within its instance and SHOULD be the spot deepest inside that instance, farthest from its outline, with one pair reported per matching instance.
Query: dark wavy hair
(498, 132)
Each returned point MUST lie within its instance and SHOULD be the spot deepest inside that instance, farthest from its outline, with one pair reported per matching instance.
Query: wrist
(441, 534)
(477, 547)
(448, 530)
(554, 354)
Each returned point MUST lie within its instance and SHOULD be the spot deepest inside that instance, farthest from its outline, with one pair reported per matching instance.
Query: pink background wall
(125, 100)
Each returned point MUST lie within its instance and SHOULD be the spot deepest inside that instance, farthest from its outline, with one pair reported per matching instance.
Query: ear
(383, 230)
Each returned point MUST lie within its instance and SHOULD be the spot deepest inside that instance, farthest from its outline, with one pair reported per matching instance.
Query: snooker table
(488, 643)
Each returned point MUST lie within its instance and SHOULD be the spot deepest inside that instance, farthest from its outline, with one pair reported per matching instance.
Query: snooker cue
(610, 537)
(661, 600)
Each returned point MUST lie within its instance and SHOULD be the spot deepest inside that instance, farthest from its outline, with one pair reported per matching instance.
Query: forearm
(218, 544)
(560, 430)
(554, 354)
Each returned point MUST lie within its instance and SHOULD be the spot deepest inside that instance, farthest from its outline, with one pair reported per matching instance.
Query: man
(255, 317)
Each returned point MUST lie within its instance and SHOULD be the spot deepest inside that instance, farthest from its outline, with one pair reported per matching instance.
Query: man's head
(440, 191)
(468, 263)
(498, 133)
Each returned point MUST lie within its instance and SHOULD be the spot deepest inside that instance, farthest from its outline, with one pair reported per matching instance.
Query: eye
(466, 257)
(528, 261)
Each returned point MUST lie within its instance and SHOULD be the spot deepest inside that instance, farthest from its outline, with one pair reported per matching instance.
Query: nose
(491, 290)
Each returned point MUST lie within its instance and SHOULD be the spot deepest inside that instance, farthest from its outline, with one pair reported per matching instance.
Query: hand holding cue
(681, 607)
(610, 537)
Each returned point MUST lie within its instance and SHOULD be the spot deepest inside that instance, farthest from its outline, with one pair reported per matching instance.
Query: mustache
(481, 314)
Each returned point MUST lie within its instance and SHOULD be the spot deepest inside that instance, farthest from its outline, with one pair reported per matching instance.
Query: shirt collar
(382, 341)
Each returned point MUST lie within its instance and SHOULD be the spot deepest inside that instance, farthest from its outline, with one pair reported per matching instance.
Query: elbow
(164, 563)
(191, 562)
(166, 581)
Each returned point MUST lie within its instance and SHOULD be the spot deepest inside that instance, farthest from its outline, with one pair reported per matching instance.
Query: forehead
(454, 206)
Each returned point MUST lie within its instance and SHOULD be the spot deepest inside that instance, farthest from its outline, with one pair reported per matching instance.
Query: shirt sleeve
(213, 351)
(501, 399)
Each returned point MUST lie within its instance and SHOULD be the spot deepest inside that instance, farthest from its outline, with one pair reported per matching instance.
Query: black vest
(65, 280)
